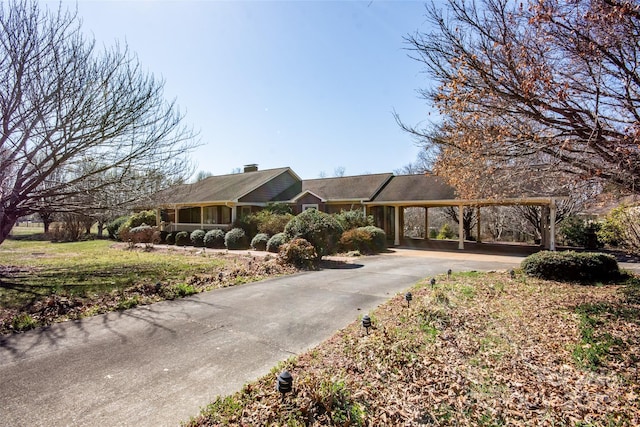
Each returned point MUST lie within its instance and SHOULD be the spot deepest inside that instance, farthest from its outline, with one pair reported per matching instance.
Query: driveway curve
(156, 365)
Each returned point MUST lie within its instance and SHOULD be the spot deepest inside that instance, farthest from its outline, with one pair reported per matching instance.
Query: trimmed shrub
(322, 230)
(275, 242)
(114, 226)
(584, 267)
(214, 239)
(366, 240)
(298, 252)
(171, 238)
(197, 238)
(259, 242)
(354, 218)
(182, 238)
(236, 238)
(378, 237)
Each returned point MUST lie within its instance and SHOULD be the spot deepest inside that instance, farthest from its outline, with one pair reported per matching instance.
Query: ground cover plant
(43, 282)
(474, 349)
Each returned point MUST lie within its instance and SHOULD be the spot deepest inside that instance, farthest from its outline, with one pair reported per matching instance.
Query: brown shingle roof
(223, 188)
(416, 188)
(359, 187)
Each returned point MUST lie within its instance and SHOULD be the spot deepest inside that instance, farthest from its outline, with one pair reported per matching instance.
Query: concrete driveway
(157, 365)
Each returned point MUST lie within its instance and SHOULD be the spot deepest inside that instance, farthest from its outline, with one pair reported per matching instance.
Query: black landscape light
(433, 282)
(366, 323)
(408, 297)
(284, 383)
(512, 273)
(449, 273)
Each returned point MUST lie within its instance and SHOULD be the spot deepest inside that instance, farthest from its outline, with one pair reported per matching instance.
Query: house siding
(269, 191)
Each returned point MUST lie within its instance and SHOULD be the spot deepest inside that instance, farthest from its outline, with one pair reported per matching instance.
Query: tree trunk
(7, 221)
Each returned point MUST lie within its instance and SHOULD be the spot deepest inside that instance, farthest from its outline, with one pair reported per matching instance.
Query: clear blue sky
(306, 84)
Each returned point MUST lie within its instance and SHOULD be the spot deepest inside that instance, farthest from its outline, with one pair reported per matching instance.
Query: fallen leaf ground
(474, 350)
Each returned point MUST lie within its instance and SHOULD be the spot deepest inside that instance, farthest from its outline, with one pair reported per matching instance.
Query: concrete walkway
(157, 365)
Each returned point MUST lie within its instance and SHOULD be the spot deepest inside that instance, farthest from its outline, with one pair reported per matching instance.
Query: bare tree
(547, 80)
(77, 120)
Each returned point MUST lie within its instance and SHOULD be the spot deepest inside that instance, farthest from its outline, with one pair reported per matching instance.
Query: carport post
(552, 225)
(396, 217)
(460, 226)
(426, 223)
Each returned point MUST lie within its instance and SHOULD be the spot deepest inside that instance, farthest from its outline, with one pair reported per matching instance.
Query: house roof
(359, 187)
(405, 188)
(224, 188)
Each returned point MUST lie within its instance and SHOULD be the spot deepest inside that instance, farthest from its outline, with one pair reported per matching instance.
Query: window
(309, 206)
(210, 215)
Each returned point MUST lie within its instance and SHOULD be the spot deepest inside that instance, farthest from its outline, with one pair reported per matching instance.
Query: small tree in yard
(318, 228)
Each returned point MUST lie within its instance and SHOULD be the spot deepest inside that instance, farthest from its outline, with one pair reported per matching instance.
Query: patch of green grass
(129, 303)
(35, 269)
(23, 322)
(595, 346)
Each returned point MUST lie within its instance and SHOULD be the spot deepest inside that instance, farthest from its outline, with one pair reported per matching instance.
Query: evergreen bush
(322, 230)
(366, 240)
(182, 238)
(214, 239)
(275, 242)
(584, 267)
(197, 238)
(114, 226)
(236, 238)
(171, 238)
(259, 242)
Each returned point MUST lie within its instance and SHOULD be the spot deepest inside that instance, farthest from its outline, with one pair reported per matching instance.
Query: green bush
(584, 267)
(171, 238)
(182, 238)
(214, 239)
(248, 223)
(446, 232)
(259, 242)
(366, 240)
(275, 242)
(197, 238)
(621, 228)
(578, 232)
(272, 223)
(353, 219)
(298, 252)
(236, 238)
(114, 226)
(323, 231)
(143, 217)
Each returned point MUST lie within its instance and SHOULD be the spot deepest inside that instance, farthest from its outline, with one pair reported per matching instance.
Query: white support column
(201, 217)
(396, 220)
(552, 225)
(234, 214)
(461, 227)
(426, 223)
(176, 218)
(479, 228)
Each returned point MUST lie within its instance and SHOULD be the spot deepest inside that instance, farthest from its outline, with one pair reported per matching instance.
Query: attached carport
(428, 191)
